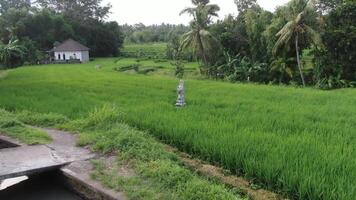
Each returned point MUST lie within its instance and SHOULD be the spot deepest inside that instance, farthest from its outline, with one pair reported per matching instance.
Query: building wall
(83, 56)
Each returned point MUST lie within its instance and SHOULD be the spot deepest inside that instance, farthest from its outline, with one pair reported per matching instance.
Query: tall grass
(298, 141)
(160, 173)
(11, 126)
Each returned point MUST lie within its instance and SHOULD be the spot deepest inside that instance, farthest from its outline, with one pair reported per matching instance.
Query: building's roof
(70, 45)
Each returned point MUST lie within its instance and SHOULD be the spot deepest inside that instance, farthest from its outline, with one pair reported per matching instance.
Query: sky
(167, 11)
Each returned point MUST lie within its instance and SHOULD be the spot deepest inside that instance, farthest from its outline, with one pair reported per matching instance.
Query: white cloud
(167, 11)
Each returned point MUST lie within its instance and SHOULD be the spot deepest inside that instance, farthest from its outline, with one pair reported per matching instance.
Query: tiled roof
(70, 45)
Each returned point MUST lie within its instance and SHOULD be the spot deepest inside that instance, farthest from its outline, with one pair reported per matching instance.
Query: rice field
(300, 142)
(147, 50)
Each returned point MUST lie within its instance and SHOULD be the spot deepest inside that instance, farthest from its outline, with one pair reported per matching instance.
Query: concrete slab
(64, 144)
(7, 142)
(78, 177)
(63, 154)
(28, 160)
(23, 161)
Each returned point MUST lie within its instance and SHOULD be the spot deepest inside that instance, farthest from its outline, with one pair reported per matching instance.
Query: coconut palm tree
(282, 67)
(199, 38)
(12, 53)
(296, 29)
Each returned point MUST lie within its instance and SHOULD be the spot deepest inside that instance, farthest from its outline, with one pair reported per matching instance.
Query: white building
(71, 50)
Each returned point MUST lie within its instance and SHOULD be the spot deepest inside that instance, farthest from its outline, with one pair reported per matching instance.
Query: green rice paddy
(301, 142)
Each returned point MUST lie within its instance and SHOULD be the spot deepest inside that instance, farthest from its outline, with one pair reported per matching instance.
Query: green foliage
(162, 33)
(204, 44)
(256, 22)
(244, 5)
(137, 68)
(40, 119)
(284, 138)
(145, 51)
(336, 67)
(283, 69)
(100, 118)
(179, 69)
(11, 54)
(161, 170)
(237, 69)
(274, 38)
(174, 51)
(299, 29)
(5, 5)
(12, 127)
(38, 29)
(231, 32)
(79, 10)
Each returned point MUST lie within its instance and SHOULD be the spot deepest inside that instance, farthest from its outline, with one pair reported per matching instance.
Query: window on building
(64, 56)
(59, 56)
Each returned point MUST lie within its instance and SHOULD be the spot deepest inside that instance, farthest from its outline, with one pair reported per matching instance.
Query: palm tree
(11, 53)
(282, 67)
(199, 38)
(297, 28)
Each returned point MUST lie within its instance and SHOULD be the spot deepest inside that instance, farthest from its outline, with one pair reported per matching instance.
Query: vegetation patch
(160, 173)
(147, 50)
(3, 74)
(12, 127)
(40, 119)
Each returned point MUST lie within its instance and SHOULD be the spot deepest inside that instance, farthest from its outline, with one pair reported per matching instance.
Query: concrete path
(64, 145)
(23, 161)
(28, 160)
(62, 153)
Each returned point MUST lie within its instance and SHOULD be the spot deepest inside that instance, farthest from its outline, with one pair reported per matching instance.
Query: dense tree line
(305, 42)
(37, 25)
(140, 33)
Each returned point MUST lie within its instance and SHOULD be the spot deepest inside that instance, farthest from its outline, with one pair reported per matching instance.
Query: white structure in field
(181, 94)
(71, 50)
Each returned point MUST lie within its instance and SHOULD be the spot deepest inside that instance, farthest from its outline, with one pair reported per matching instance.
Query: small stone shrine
(181, 94)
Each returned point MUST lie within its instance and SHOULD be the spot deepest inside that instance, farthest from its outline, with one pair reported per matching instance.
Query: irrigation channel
(57, 171)
(47, 186)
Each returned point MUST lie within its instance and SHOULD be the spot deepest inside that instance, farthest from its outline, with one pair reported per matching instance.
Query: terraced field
(297, 141)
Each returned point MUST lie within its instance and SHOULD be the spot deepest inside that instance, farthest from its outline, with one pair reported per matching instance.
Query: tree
(325, 6)
(199, 38)
(283, 69)
(297, 29)
(5, 5)
(231, 33)
(80, 10)
(243, 5)
(256, 21)
(338, 61)
(11, 54)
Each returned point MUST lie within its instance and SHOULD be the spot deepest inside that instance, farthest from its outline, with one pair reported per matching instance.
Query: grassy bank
(298, 141)
(158, 174)
(12, 126)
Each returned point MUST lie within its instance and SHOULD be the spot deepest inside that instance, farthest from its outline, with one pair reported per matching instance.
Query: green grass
(298, 141)
(11, 126)
(159, 174)
(3, 74)
(147, 50)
